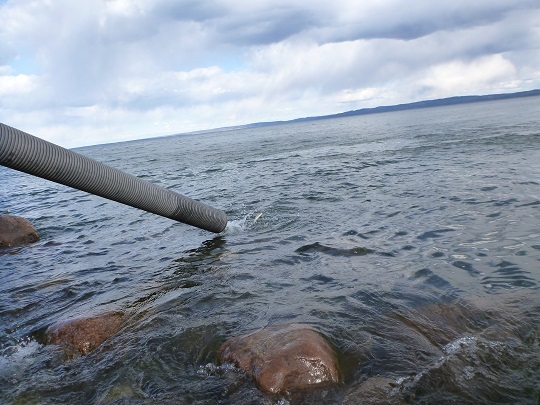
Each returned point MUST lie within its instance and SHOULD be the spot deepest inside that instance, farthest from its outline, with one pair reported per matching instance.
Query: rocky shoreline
(292, 360)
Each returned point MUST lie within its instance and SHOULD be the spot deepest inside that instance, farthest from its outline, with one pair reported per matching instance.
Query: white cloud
(458, 77)
(16, 89)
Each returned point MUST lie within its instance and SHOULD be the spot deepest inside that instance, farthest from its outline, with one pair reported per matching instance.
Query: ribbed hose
(26, 153)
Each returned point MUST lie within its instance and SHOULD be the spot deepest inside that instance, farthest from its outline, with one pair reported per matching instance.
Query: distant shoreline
(440, 102)
(409, 106)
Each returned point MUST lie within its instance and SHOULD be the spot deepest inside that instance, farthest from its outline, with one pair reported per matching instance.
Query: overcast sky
(95, 71)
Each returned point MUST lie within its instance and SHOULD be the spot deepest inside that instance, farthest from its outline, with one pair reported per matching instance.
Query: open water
(410, 239)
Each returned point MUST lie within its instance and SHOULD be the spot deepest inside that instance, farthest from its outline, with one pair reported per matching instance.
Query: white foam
(16, 359)
(237, 226)
(211, 369)
(459, 344)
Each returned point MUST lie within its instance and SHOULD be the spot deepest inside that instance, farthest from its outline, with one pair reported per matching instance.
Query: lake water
(410, 239)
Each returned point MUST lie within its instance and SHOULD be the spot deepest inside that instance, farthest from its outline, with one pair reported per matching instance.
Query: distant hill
(410, 106)
(364, 111)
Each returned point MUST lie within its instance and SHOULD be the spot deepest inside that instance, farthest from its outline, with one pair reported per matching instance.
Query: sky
(97, 71)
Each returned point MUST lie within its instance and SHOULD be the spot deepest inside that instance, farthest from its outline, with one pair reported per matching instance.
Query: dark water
(411, 240)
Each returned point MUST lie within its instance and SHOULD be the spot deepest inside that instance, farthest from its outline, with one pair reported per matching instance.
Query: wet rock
(16, 231)
(375, 390)
(82, 335)
(442, 322)
(283, 358)
(120, 394)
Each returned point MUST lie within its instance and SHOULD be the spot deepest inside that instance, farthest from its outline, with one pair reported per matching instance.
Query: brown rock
(16, 231)
(82, 335)
(283, 358)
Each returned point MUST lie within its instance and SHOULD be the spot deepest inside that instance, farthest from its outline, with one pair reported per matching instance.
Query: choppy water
(410, 239)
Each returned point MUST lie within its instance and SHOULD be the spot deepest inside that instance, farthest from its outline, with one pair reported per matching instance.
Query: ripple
(468, 267)
(434, 234)
(508, 275)
(319, 248)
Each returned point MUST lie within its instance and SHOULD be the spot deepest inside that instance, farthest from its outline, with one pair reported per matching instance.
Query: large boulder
(283, 358)
(16, 231)
(80, 336)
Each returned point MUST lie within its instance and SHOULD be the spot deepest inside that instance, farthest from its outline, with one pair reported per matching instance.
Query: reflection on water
(410, 240)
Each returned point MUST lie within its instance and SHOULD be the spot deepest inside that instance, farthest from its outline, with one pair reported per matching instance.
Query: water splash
(244, 224)
(235, 227)
(459, 344)
(212, 369)
(17, 358)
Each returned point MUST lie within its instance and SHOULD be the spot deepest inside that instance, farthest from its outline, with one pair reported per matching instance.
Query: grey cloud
(233, 23)
(269, 26)
(265, 22)
(227, 24)
(218, 20)
(381, 61)
(397, 20)
(188, 10)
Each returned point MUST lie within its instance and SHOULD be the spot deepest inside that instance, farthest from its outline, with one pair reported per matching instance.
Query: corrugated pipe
(26, 153)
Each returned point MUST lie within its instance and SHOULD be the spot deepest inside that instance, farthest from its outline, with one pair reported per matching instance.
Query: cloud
(16, 86)
(457, 77)
(395, 19)
(106, 70)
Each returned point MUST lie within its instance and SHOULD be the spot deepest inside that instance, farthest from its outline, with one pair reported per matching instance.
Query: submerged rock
(376, 390)
(16, 231)
(82, 335)
(283, 358)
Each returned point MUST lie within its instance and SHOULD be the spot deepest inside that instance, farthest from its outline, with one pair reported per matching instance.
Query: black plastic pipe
(35, 156)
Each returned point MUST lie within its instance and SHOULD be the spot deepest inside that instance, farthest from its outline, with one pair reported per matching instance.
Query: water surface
(410, 239)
